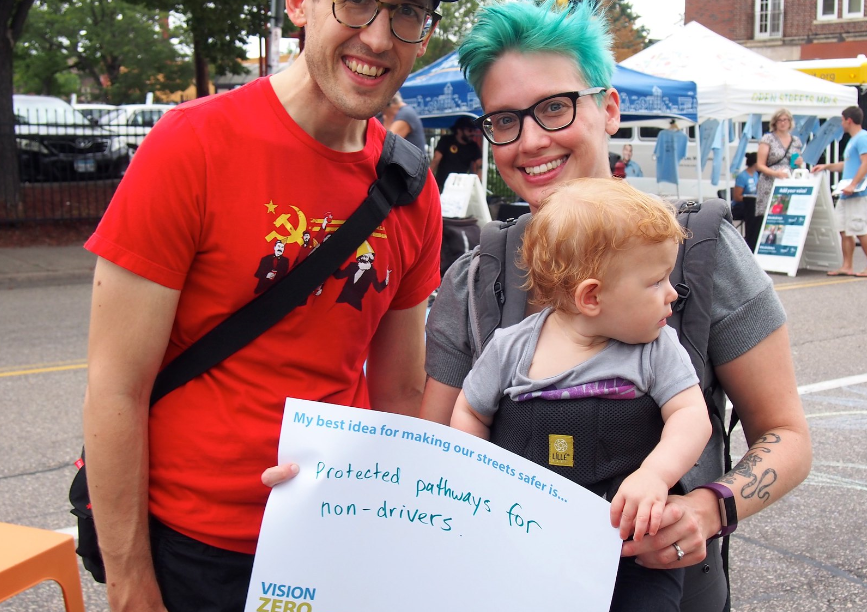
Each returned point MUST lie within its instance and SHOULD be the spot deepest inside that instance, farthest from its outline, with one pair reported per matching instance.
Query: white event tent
(733, 82)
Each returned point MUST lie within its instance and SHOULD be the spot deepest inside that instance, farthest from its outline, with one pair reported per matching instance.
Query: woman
(777, 149)
(565, 57)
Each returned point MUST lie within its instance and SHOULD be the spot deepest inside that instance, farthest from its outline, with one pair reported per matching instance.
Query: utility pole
(276, 34)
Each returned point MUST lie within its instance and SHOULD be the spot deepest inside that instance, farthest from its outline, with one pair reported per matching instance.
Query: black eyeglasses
(410, 23)
(553, 113)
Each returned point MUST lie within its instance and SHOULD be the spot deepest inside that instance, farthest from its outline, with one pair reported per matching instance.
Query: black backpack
(494, 275)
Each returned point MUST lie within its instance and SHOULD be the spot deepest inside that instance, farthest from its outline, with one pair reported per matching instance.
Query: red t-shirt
(224, 196)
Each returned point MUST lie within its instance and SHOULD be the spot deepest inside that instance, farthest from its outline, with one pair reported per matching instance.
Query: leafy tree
(458, 18)
(219, 31)
(13, 15)
(629, 38)
(125, 49)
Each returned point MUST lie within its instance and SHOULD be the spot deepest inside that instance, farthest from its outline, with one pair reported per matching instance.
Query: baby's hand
(637, 507)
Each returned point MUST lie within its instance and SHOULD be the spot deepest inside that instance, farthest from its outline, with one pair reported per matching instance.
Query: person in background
(745, 185)
(630, 166)
(850, 213)
(777, 149)
(598, 256)
(215, 186)
(543, 73)
(401, 118)
(457, 152)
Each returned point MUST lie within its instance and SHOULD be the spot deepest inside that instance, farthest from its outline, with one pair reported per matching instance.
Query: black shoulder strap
(400, 178)
(692, 278)
(496, 297)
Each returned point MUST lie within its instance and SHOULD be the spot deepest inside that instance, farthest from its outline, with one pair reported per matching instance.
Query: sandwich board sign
(463, 196)
(798, 228)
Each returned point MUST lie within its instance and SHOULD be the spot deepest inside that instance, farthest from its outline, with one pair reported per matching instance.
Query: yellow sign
(851, 75)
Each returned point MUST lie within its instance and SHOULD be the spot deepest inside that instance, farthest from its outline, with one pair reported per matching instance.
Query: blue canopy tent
(440, 94)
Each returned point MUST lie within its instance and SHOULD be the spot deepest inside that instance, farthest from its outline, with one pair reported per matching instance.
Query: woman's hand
(687, 521)
(279, 473)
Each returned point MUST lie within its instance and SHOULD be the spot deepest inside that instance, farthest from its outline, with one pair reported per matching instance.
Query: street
(806, 553)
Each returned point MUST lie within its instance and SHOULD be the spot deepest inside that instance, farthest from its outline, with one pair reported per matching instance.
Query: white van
(643, 141)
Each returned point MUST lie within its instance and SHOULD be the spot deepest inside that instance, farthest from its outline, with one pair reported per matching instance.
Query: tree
(125, 49)
(13, 15)
(458, 18)
(629, 38)
(219, 31)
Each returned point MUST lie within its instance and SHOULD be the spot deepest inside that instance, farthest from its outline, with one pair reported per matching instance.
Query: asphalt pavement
(37, 266)
(805, 553)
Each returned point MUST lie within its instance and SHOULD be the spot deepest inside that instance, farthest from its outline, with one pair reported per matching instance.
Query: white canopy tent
(733, 82)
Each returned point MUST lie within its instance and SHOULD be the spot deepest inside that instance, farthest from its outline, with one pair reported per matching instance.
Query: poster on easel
(798, 228)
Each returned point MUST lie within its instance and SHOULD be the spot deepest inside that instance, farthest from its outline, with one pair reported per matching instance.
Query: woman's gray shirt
(745, 311)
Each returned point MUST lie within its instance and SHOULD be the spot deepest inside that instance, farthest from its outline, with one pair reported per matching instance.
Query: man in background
(401, 118)
(850, 214)
(630, 167)
(457, 152)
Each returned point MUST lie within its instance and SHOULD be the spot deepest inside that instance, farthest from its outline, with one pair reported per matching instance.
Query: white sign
(391, 513)
(464, 196)
(798, 229)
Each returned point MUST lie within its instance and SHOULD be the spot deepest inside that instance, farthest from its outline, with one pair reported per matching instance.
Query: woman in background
(777, 150)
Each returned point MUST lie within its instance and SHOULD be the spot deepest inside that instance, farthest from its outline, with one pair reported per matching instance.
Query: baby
(598, 256)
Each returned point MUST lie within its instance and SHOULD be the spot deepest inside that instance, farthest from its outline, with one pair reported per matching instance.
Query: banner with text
(391, 513)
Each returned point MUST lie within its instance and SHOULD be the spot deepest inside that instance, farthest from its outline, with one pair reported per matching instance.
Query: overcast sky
(661, 17)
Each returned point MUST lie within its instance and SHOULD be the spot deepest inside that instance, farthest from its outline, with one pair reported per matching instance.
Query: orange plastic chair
(29, 556)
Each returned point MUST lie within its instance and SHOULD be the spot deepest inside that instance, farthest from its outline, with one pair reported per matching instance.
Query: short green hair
(578, 30)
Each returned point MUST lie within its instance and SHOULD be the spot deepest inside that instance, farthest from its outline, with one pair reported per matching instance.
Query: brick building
(786, 30)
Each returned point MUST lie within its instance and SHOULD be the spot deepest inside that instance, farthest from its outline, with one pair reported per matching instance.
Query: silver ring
(679, 550)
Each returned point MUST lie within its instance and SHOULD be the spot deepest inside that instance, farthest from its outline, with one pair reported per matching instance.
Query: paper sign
(391, 513)
(839, 187)
(464, 196)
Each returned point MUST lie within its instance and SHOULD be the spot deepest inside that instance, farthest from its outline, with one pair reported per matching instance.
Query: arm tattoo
(748, 467)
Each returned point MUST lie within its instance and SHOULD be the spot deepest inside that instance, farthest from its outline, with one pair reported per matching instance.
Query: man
(400, 118)
(850, 214)
(630, 167)
(457, 152)
(745, 185)
(176, 489)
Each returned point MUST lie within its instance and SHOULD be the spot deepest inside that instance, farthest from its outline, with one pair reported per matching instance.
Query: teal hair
(578, 31)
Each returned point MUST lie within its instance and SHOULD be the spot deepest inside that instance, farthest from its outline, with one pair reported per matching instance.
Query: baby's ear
(586, 297)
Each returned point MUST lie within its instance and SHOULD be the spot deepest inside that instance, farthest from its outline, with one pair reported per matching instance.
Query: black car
(58, 143)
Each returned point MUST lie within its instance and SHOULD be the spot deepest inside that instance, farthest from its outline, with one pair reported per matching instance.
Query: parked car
(94, 111)
(58, 143)
(134, 121)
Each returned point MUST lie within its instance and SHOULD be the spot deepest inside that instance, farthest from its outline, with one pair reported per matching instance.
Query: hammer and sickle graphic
(294, 235)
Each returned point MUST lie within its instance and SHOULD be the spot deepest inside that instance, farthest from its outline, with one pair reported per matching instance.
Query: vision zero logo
(285, 598)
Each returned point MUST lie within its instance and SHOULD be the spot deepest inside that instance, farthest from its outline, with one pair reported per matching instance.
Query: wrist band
(728, 510)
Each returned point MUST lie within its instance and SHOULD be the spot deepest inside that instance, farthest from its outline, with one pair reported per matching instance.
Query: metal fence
(67, 165)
